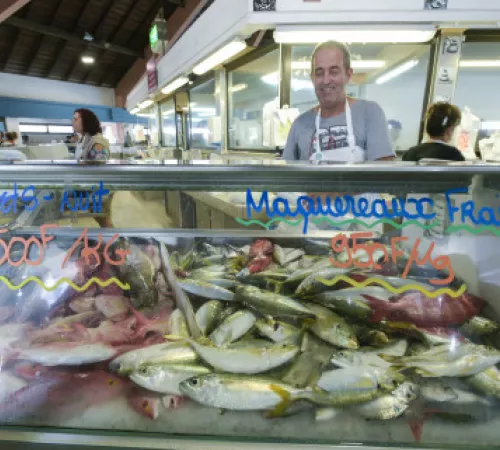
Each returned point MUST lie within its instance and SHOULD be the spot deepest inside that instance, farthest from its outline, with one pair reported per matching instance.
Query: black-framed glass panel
(206, 126)
(477, 85)
(168, 128)
(253, 93)
(393, 75)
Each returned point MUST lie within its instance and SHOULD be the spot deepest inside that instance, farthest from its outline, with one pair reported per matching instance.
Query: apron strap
(351, 138)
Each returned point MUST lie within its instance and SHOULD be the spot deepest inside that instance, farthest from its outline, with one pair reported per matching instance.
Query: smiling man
(340, 128)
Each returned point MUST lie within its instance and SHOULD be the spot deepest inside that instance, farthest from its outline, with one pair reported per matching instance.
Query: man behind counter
(341, 128)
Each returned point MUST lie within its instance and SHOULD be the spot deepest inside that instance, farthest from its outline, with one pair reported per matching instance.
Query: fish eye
(193, 382)
(143, 370)
(276, 325)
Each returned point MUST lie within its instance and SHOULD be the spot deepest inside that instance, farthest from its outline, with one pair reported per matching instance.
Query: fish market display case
(354, 305)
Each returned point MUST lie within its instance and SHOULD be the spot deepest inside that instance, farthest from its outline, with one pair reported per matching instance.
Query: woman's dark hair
(440, 117)
(11, 136)
(90, 122)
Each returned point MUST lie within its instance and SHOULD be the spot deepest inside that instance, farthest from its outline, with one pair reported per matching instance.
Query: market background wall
(20, 86)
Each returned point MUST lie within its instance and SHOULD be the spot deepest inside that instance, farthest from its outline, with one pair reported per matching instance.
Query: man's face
(330, 76)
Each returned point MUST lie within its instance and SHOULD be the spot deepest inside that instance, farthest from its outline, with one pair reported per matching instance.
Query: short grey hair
(333, 45)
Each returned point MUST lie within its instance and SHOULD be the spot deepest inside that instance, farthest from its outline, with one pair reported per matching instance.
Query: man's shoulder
(306, 117)
(366, 105)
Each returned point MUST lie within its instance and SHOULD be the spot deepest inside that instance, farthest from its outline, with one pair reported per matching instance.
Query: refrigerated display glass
(253, 91)
(363, 309)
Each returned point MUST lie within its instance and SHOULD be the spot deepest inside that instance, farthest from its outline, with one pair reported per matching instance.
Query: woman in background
(441, 121)
(92, 144)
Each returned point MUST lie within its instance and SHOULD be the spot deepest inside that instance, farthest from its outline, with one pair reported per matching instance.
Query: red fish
(25, 401)
(261, 252)
(81, 391)
(172, 401)
(104, 273)
(151, 340)
(107, 332)
(157, 324)
(144, 402)
(424, 311)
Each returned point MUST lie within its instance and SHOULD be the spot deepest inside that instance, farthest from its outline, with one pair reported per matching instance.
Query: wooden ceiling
(46, 38)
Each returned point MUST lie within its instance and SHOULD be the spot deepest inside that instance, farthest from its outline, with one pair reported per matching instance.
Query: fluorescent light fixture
(490, 125)
(87, 59)
(238, 87)
(356, 64)
(33, 128)
(315, 34)
(204, 110)
(485, 63)
(405, 67)
(146, 104)
(135, 111)
(61, 129)
(168, 112)
(220, 56)
(174, 85)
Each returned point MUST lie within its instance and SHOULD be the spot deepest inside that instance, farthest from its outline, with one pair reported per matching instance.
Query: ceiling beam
(111, 38)
(146, 22)
(181, 3)
(17, 33)
(9, 7)
(58, 33)
(36, 49)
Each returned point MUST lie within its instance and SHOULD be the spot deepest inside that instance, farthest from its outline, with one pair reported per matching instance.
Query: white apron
(350, 154)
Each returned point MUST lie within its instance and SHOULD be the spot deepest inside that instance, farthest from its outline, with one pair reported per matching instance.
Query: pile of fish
(252, 328)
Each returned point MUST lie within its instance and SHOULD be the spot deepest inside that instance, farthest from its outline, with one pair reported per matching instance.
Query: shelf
(398, 177)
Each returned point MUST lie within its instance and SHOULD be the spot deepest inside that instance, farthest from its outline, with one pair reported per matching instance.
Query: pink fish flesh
(158, 324)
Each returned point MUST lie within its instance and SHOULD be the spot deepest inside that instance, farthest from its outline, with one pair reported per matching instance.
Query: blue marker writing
(80, 200)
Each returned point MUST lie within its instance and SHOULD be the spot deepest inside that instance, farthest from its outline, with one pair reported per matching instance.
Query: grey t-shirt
(370, 130)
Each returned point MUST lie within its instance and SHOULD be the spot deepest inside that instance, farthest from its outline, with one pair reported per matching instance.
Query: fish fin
(141, 318)
(380, 308)
(175, 337)
(389, 358)
(282, 406)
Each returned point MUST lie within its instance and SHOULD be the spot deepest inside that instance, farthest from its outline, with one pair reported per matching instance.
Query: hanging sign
(264, 5)
(436, 4)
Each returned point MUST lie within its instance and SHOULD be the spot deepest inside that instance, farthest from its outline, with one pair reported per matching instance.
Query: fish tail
(380, 308)
(283, 405)
(390, 358)
(315, 395)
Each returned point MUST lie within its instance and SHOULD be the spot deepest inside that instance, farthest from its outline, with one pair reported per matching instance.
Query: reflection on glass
(476, 89)
(253, 93)
(167, 111)
(393, 75)
(205, 122)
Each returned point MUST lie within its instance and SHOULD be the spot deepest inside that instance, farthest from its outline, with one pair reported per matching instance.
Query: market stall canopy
(49, 38)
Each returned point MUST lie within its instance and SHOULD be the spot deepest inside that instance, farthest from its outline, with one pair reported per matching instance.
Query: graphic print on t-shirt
(331, 138)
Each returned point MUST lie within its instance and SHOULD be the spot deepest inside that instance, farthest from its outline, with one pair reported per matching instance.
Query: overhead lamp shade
(219, 57)
(316, 34)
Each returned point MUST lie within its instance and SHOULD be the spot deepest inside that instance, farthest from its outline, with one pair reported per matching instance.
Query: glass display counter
(342, 306)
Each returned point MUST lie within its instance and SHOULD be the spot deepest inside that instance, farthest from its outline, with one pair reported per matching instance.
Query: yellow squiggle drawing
(14, 287)
(394, 290)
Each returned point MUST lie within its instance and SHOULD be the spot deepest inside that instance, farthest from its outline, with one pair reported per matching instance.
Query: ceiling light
(355, 64)
(134, 111)
(86, 59)
(146, 104)
(220, 56)
(174, 85)
(486, 63)
(397, 71)
(313, 35)
(238, 87)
